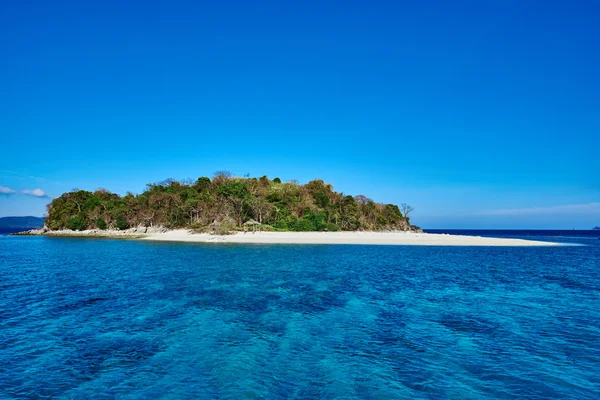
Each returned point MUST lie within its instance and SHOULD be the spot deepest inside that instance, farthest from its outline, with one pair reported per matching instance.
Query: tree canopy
(314, 206)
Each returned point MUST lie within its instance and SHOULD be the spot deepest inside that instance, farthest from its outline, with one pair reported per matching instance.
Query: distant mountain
(17, 224)
(596, 228)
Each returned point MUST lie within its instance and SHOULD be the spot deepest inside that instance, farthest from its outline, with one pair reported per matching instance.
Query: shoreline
(404, 238)
(357, 238)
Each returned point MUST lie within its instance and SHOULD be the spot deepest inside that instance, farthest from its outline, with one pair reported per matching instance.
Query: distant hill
(17, 224)
(596, 228)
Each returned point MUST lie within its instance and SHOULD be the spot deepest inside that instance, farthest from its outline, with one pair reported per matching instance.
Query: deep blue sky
(479, 114)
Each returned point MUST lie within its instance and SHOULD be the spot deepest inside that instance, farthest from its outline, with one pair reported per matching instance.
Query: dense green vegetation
(227, 202)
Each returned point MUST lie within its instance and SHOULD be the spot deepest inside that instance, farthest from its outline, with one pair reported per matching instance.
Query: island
(226, 204)
(17, 224)
(596, 228)
(231, 209)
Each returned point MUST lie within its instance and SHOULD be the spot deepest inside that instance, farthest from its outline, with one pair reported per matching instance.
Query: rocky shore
(127, 233)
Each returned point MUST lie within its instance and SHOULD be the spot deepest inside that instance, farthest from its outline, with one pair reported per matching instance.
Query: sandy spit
(382, 238)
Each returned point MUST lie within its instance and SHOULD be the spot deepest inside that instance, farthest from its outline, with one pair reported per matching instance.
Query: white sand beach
(382, 238)
(372, 238)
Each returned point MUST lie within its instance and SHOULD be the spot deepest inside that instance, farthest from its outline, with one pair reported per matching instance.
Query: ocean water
(98, 318)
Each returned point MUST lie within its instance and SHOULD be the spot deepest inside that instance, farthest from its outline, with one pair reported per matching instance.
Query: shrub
(76, 224)
(303, 225)
(317, 220)
(122, 223)
(264, 180)
(267, 228)
(224, 228)
(101, 223)
(331, 227)
(282, 224)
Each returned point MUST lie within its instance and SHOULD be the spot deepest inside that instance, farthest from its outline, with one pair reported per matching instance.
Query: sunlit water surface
(92, 318)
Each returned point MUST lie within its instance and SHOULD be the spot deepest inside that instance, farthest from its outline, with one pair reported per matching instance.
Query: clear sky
(481, 114)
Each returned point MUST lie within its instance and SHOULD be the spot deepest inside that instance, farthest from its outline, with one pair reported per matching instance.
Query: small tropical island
(226, 204)
(231, 209)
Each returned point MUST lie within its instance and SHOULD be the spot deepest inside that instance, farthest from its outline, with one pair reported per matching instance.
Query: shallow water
(83, 318)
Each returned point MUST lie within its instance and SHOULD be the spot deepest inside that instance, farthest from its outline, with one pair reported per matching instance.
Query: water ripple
(124, 319)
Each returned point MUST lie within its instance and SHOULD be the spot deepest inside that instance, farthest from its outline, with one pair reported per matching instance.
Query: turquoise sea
(98, 318)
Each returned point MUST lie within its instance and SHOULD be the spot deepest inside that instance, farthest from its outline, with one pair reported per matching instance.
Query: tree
(79, 197)
(321, 199)
(363, 200)
(221, 177)
(260, 207)
(349, 214)
(236, 194)
(202, 184)
(406, 210)
(192, 208)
